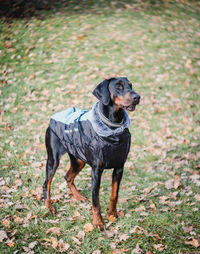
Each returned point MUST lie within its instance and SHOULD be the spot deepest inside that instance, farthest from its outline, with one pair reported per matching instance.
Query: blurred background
(52, 55)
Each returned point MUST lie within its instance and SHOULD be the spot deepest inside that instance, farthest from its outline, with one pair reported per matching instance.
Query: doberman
(99, 137)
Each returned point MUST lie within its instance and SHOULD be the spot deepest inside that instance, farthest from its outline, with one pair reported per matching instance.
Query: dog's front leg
(96, 209)
(116, 179)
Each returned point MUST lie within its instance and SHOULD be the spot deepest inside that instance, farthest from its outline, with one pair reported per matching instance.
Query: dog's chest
(111, 151)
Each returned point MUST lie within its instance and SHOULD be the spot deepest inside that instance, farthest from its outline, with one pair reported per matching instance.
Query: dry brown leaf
(88, 227)
(62, 246)
(81, 37)
(120, 214)
(81, 235)
(37, 193)
(96, 252)
(137, 230)
(32, 244)
(54, 231)
(169, 184)
(188, 64)
(76, 240)
(144, 214)
(112, 218)
(188, 229)
(159, 247)
(193, 242)
(17, 219)
(153, 206)
(163, 200)
(137, 250)
(3, 235)
(176, 181)
(54, 242)
(109, 234)
(27, 250)
(123, 237)
(197, 197)
(10, 243)
(140, 208)
(6, 223)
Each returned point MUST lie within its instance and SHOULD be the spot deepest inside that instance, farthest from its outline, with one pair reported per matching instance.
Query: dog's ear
(102, 92)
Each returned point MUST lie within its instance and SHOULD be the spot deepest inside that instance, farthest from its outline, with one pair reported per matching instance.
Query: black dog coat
(85, 136)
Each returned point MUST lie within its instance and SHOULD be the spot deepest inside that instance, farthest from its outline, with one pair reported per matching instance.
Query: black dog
(99, 137)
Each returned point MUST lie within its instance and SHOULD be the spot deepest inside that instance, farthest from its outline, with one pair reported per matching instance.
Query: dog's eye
(130, 85)
(119, 87)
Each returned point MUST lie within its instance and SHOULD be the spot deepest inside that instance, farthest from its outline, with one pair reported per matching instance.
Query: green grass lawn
(53, 60)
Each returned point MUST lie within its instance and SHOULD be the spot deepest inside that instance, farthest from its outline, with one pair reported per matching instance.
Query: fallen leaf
(96, 252)
(120, 214)
(137, 230)
(88, 227)
(123, 237)
(81, 235)
(76, 214)
(76, 240)
(32, 244)
(62, 246)
(188, 64)
(176, 181)
(193, 242)
(27, 250)
(18, 219)
(6, 223)
(163, 199)
(197, 197)
(3, 235)
(188, 229)
(81, 37)
(169, 184)
(54, 242)
(54, 231)
(109, 234)
(153, 206)
(140, 208)
(137, 250)
(10, 243)
(159, 247)
(112, 218)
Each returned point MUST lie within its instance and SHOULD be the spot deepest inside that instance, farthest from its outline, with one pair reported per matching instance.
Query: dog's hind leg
(75, 167)
(54, 152)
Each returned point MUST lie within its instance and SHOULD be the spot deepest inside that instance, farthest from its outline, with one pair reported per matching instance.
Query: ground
(53, 59)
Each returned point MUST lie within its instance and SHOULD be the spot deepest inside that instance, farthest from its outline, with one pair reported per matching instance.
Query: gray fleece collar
(103, 129)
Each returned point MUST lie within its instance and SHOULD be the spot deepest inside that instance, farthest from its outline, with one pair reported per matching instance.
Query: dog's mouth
(130, 107)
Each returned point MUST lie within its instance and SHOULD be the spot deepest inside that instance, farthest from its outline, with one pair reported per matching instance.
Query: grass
(52, 60)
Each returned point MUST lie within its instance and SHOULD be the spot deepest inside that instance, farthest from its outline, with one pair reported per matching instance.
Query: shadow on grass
(24, 9)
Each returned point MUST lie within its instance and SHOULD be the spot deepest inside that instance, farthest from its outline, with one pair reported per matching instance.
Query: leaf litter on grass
(54, 63)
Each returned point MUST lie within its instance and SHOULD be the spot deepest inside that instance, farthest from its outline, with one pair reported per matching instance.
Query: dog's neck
(111, 112)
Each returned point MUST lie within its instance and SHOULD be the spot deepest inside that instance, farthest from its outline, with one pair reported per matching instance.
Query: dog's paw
(79, 197)
(111, 214)
(98, 222)
(99, 225)
(50, 207)
(52, 210)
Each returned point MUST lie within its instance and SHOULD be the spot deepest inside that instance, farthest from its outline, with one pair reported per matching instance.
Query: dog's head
(117, 91)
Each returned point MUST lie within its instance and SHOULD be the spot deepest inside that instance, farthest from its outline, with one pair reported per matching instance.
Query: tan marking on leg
(113, 201)
(48, 200)
(97, 220)
(70, 181)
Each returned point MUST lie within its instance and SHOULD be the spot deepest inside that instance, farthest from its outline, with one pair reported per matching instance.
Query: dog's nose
(135, 97)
